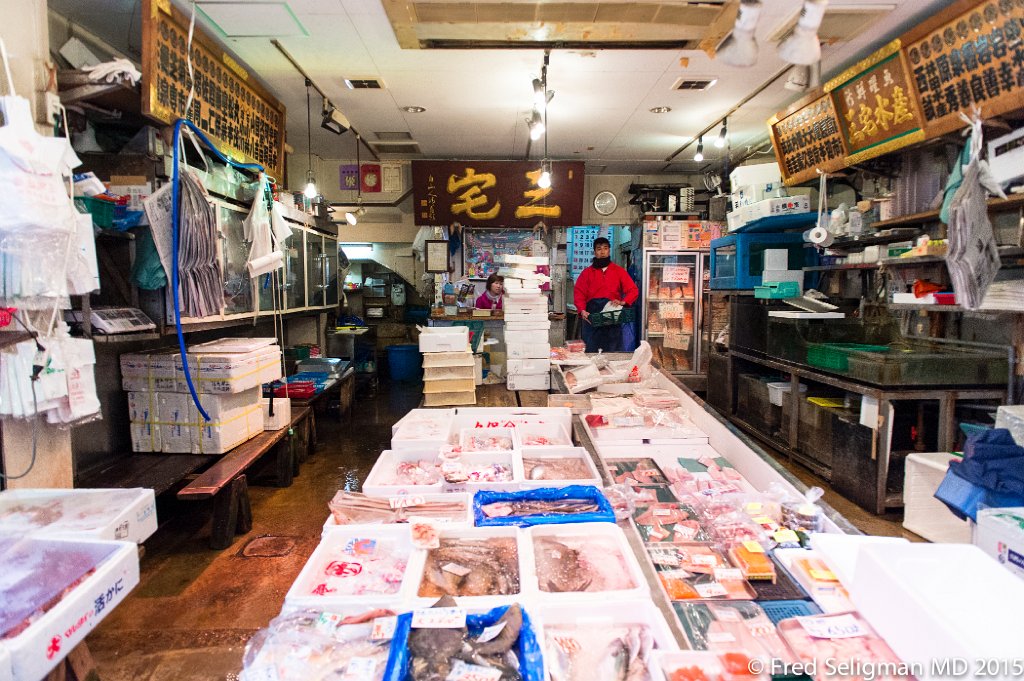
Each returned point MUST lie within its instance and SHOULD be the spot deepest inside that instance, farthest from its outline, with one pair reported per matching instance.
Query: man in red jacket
(602, 282)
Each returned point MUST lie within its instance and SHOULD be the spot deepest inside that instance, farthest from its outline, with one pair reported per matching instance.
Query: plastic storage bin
(737, 260)
(110, 514)
(404, 363)
(923, 514)
(777, 392)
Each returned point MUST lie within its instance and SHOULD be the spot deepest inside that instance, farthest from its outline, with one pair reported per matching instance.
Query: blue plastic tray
(778, 223)
(603, 514)
(781, 610)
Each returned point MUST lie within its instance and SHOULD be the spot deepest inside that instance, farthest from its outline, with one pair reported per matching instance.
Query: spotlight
(536, 124)
(334, 120)
(802, 78)
(802, 45)
(544, 181)
(723, 136)
(352, 216)
(699, 156)
(740, 47)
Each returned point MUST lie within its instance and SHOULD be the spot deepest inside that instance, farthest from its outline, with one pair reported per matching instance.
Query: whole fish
(530, 508)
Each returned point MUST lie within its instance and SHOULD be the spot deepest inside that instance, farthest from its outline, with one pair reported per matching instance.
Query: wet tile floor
(195, 608)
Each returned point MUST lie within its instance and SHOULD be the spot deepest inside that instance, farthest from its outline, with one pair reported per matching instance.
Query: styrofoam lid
(840, 551)
(232, 345)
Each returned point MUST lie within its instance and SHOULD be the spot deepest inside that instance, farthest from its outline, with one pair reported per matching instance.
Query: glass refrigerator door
(316, 283)
(671, 309)
(234, 253)
(295, 270)
(331, 270)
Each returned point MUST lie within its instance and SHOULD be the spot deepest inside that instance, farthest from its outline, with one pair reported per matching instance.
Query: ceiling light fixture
(661, 109)
(333, 120)
(802, 46)
(536, 125)
(310, 191)
(544, 181)
(740, 47)
(699, 156)
(413, 109)
(352, 216)
(723, 135)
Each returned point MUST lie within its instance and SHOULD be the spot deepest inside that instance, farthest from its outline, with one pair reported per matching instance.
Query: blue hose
(175, 210)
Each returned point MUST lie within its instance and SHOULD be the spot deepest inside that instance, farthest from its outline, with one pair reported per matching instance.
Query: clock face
(605, 203)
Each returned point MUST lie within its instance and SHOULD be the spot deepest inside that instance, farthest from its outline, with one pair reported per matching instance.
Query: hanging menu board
(875, 106)
(970, 55)
(807, 138)
(239, 114)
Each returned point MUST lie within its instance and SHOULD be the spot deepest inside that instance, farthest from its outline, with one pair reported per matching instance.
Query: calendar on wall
(581, 246)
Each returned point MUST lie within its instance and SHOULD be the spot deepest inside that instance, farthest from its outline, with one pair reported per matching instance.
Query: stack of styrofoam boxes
(751, 185)
(227, 375)
(448, 368)
(776, 268)
(1000, 534)
(526, 325)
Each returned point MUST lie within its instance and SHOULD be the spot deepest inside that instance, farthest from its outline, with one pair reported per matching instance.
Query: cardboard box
(529, 381)
(1000, 534)
(444, 339)
(170, 422)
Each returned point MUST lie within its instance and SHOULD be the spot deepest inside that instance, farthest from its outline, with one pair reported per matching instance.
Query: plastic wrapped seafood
(732, 626)
(709, 666)
(461, 470)
(842, 644)
(655, 398)
(422, 472)
(645, 495)
(635, 471)
(583, 562)
(310, 644)
(574, 652)
(486, 440)
(357, 566)
(472, 567)
(751, 558)
(733, 528)
(668, 522)
(556, 468)
(697, 571)
(804, 515)
(354, 508)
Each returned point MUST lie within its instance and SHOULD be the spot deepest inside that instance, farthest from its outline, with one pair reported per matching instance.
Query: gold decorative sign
(808, 139)
(875, 105)
(238, 113)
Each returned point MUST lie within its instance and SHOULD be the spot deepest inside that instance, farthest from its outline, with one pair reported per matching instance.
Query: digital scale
(112, 320)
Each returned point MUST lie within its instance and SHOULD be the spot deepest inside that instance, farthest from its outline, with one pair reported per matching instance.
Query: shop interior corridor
(195, 607)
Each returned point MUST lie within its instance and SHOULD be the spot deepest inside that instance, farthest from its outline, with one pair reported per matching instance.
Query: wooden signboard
(807, 138)
(969, 55)
(496, 193)
(875, 104)
(237, 112)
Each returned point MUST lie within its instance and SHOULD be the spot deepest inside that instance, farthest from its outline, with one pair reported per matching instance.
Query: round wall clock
(605, 203)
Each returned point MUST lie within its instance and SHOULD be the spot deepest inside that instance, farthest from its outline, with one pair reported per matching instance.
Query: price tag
(472, 672)
(763, 520)
(675, 574)
(685, 532)
(327, 623)
(491, 632)
(720, 637)
(754, 507)
(663, 512)
(753, 546)
(712, 590)
(787, 537)
(361, 547)
(676, 274)
(405, 501)
(728, 574)
(456, 569)
(383, 628)
(704, 559)
(838, 626)
(664, 557)
(822, 575)
(439, 618)
(360, 669)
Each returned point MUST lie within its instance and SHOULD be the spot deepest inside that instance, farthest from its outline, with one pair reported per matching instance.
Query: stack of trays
(526, 323)
(448, 369)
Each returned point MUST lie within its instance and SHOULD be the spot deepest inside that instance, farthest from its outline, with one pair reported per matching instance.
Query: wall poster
(480, 246)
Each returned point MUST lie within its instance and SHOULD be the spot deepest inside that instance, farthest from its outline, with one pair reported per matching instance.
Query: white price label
(663, 512)
(456, 569)
(360, 669)
(675, 574)
(472, 672)
(439, 618)
(720, 637)
(685, 532)
(712, 590)
(728, 574)
(383, 628)
(676, 274)
(405, 501)
(839, 626)
(664, 557)
(327, 622)
(490, 633)
(704, 559)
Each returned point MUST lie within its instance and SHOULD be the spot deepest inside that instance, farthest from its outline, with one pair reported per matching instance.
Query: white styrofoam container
(755, 174)
(609, 531)
(282, 413)
(530, 325)
(525, 564)
(432, 360)
(523, 305)
(393, 539)
(999, 533)
(444, 339)
(777, 392)
(467, 521)
(560, 453)
(232, 345)
(840, 551)
(537, 314)
(229, 373)
(528, 381)
(789, 205)
(107, 514)
(511, 459)
(146, 437)
(556, 434)
(528, 351)
(510, 417)
(528, 367)
(77, 613)
(923, 514)
(467, 435)
(830, 598)
(919, 598)
(513, 337)
(687, 435)
(385, 467)
(428, 424)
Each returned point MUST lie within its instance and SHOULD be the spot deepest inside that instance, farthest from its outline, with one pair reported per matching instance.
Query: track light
(536, 124)
(802, 45)
(352, 216)
(723, 135)
(699, 156)
(740, 47)
(334, 120)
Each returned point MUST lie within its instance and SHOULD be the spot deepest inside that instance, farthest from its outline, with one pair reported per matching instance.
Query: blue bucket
(404, 362)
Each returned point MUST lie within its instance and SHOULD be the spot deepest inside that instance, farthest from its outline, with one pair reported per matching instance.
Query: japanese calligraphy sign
(808, 138)
(875, 104)
(496, 193)
(237, 112)
(973, 56)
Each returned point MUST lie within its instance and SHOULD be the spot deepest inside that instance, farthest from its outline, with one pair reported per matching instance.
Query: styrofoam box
(511, 459)
(526, 317)
(387, 464)
(510, 417)
(528, 381)
(999, 534)
(418, 563)
(149, 371)
(528, 351)
(76, 615)
(755, 174)
(232, 345)
(923, 514)
(422, 428)
(443, 373)
(600, 614)
(918, 597)
(467, 521)
(840, 551)
(466, 434)
(432, 360)
(234, 418)
(394, 540)
(444, 339)
(520, 338)
(514, 306)
(689, 435)
(609, 531)
(146, 437)
(450, 399)
(830, 599)
(542, 325)
(663, 664)
(449, 385)
(560, 453)
(109, 514)
(788, 205)
(282, 413)
(528, 366)
(229, 373)
(556, 434)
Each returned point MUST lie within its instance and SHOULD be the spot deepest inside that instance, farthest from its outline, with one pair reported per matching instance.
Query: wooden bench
(225, 481)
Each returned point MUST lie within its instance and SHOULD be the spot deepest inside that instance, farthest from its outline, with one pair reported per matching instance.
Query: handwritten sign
(839, 626)
(676, 274)
(235, 110)
(808, 139)
(676, 340)
(875, 105)
(405, 501)
(439, 618)
(496, 193)
(672, 310)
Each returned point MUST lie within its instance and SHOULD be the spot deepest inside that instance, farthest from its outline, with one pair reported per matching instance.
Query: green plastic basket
(836, 356)
(623, 316)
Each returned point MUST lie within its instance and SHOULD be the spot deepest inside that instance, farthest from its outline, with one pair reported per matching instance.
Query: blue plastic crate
(781, 610)
(737, 260)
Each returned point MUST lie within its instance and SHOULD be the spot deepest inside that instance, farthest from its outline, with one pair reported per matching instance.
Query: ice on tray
(472, 567)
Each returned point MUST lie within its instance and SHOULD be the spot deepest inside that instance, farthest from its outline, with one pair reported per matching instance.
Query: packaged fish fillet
(635, 471)
(463, 566)
(692, 665)
(652, 494)
(843, 646)
(698, 571)
(668, 522)
(732, 626)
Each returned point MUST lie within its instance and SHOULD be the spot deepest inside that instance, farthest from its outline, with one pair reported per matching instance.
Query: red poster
(369, 177)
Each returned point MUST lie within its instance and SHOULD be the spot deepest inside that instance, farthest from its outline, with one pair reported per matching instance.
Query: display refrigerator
(672, 291)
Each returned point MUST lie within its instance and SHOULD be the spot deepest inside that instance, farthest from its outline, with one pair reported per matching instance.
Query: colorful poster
(481, 246)
(348, 177)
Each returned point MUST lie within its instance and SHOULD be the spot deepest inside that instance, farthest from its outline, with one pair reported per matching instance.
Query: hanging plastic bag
(263, 258)
(147, 272)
